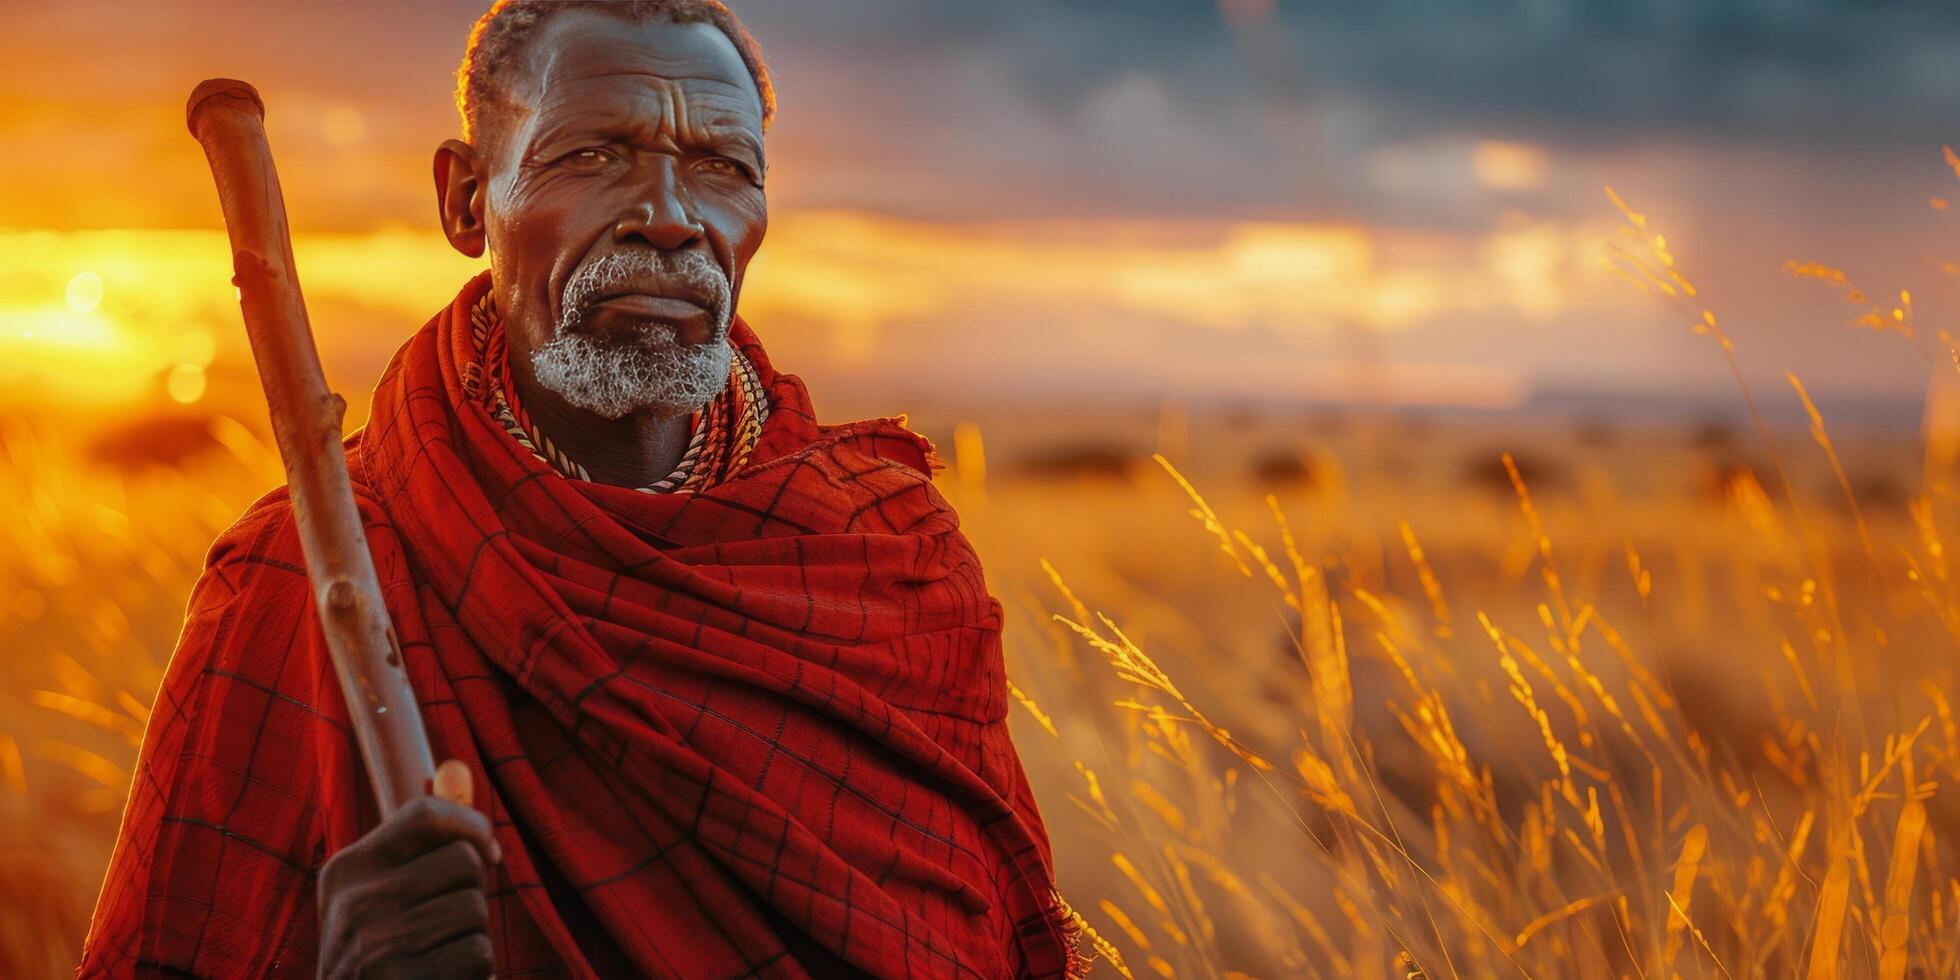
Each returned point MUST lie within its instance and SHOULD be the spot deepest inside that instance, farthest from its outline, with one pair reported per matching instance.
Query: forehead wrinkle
(662, 77)
(556, 65)
(733, 102)
(672, 118)
(663, 107)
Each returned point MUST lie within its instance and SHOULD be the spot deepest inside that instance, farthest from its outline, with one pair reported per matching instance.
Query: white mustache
(637, 270)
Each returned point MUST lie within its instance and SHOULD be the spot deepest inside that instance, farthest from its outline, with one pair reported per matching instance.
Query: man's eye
(589, 157)
(723, 165)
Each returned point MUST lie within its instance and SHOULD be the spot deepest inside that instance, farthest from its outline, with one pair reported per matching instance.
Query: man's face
(624, 200)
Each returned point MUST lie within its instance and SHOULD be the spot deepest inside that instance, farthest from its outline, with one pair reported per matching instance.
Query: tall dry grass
(1528, 783)
(1373, 724)
(96, 565)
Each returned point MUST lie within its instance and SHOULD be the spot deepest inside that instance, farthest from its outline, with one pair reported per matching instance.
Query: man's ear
(459, 197)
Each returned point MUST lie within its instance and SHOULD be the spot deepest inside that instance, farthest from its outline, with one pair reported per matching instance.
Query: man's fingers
(464, 956)
(408, 897)
(453, 782)
(406, 941)
(455, 865)
(425, 824)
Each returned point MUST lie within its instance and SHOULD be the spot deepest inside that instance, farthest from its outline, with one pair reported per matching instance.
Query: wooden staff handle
(228, 119)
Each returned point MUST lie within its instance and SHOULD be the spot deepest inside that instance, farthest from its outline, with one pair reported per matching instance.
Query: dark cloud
(1110, 106)
(1136, 108)
(1798, 71)
(1765, 66)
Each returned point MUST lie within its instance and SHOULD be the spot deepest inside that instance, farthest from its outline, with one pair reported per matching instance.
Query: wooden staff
(228, 118)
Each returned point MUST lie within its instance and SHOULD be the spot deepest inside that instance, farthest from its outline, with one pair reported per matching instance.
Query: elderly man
(727, 681)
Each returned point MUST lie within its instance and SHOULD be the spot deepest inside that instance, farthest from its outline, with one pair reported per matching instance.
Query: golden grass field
(1338, 695)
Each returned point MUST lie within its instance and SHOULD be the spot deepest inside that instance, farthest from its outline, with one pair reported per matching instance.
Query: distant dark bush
(1282, 467)
(1486, 472)
(1713, 435)
(1082, 460)
(1597, 432)
(158, 442)
(1877, 492)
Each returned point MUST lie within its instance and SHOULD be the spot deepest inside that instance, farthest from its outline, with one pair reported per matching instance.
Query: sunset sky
(1242, 200)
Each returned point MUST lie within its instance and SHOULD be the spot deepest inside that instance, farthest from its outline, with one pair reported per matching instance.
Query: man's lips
(652, 306)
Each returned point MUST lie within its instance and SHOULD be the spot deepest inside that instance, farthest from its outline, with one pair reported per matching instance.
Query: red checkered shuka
(756, 729)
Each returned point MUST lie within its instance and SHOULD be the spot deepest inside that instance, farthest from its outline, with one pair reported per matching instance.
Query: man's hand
(408, 899)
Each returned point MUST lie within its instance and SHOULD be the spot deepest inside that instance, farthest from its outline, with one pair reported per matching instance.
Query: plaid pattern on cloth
(755, 730)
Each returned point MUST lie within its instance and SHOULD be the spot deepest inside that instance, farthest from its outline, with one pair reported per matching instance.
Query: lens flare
(185, 384)
(85, 291)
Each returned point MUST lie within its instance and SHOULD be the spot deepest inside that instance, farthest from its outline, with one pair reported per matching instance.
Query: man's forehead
(580, 52)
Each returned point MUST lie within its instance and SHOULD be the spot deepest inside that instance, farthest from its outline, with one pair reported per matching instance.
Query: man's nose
(661, 218)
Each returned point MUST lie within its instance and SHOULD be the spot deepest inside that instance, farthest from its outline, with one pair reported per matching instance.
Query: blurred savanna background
(1420, 558)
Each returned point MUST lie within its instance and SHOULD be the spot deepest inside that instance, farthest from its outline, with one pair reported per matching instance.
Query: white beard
(653, 373)
(650, 371)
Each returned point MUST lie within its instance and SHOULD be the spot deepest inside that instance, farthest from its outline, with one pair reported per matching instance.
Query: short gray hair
(501, 33)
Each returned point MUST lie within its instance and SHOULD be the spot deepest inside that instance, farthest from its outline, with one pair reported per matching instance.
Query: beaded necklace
(722, 433)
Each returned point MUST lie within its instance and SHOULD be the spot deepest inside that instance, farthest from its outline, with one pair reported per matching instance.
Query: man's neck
(634, 450)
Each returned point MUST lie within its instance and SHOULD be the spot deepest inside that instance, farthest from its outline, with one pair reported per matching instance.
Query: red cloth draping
(753, 730)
